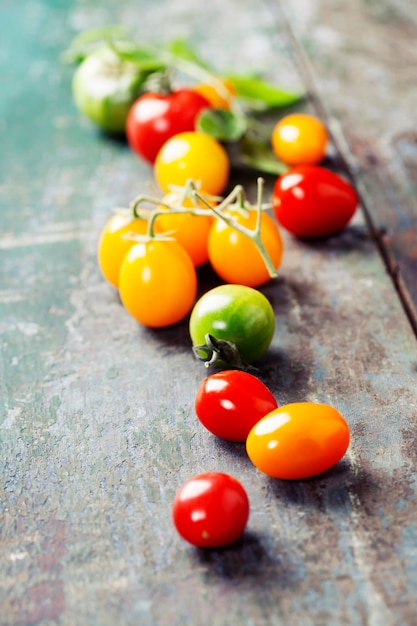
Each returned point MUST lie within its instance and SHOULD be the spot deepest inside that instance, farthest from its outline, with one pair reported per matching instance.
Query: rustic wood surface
(97, 427)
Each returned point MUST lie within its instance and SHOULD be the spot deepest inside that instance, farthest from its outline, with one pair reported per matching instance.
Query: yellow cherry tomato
(299, 139)
(114, 243)
(196, 156)
(191, 231)
(298, 440)
(235, 257)
(158, 282)
(220, 96)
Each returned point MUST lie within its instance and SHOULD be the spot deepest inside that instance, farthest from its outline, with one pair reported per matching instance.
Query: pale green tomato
(104, 88)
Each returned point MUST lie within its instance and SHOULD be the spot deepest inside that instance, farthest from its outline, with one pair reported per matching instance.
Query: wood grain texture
(97, 427)
(359, 60)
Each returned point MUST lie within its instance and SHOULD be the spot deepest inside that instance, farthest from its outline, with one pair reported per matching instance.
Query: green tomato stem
(235, 199)
(253, 234)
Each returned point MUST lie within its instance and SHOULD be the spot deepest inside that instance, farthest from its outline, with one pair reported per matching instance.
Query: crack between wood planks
(306, 73)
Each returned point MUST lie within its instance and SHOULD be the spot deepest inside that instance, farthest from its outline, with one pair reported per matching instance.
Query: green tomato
(104, 88)
(231, 325)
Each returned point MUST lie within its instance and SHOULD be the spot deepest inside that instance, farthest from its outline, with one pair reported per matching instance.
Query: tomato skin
(157, 283)
(104, 88)
(195, 156)
(191, 231)
(114, 244)
(235, 313)
(298, 440)
(211, 510)
(154, 118)
(311, 201)
(231, 402)
(299, 139)
(235, 258)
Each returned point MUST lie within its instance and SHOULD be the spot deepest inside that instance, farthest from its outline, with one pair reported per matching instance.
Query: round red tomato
(311, 201)
(154, 118)
(298, 440)
(211, 510)
(231, 402)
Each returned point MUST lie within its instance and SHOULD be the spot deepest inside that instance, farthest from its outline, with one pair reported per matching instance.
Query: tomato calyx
(220, 352)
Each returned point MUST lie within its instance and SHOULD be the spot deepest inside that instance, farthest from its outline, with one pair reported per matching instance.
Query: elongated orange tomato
(191, 231)
(298, 440)
(114, 243)
(158, 282)
(235, 257)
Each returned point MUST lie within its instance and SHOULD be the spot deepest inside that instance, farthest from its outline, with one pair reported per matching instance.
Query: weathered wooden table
(97, 426)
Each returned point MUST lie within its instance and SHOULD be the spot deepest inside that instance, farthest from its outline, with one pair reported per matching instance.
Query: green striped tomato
(237, 314)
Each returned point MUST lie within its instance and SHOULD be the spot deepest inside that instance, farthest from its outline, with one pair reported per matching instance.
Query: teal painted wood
(97, 427)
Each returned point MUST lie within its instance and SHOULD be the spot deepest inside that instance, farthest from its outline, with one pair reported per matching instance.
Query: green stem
(253, 234)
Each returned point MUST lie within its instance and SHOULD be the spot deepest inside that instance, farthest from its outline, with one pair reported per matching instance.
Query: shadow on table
(249, 559)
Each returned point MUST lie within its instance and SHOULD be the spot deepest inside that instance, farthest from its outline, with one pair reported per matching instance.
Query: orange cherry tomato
(220, 96)
(235, 257)
(191, 231)
(298, 440)
(195, 156)
(299, 139)
(114, 244)
(158, 282)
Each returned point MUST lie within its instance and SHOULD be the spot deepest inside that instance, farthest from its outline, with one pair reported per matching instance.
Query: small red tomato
(298, 440)
(154, 118)
(211, 510)
(311, 201)
(231, 402)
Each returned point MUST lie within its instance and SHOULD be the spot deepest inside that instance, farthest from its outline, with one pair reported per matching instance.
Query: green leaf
(259, 94)
(260, 156)
(221, 124)
(180, 49)
(83, 44)
(147, 59)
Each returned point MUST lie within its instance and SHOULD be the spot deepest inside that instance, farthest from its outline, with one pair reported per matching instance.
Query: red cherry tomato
(211, 510)
(311, 201)
(230, 403)
(298, 440)
(154, 118)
